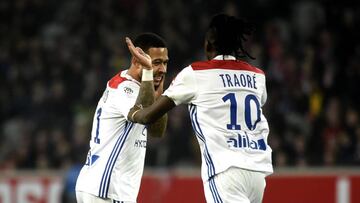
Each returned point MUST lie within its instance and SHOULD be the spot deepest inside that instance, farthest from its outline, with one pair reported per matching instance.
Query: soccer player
(225, 96)
(115, 161)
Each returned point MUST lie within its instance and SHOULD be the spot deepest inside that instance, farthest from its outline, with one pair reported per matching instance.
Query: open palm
(139, 54)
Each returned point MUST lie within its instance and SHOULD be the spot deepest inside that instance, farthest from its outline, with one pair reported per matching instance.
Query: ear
(208, 46)
(209, 50)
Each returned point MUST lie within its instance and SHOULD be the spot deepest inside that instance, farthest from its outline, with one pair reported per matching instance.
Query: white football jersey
(115, 161)
(225, 99)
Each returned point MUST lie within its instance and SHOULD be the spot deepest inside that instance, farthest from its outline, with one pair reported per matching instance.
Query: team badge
(128, 90)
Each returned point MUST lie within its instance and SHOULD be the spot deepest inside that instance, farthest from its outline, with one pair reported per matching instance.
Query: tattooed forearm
(146, 98)
(146, 95)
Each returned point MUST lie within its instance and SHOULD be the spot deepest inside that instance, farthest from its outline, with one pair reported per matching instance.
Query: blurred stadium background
(56, 57)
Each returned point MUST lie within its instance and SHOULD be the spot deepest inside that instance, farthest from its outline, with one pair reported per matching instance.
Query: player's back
(227, 117)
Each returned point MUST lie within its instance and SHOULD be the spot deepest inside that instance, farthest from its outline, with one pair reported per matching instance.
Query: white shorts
(83, 197)
(235, 185)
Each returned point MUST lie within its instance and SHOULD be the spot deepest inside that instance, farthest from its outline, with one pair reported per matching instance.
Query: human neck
(134, 73)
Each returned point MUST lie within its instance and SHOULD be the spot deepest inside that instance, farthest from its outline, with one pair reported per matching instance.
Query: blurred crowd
(56, 57)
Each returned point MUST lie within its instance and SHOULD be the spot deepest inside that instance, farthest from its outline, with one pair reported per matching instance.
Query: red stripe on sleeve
(116, 80)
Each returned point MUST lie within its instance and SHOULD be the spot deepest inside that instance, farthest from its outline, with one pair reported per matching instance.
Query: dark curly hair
(226, 34)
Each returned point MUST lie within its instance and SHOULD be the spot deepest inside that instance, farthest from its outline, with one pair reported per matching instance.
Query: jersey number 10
(233, 111)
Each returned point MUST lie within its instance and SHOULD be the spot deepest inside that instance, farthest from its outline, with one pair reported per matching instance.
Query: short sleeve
(183, 88)
(123, 98)
(264, 94)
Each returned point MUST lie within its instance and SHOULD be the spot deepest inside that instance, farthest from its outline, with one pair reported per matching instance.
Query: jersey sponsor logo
(140, 143)
(243, 141)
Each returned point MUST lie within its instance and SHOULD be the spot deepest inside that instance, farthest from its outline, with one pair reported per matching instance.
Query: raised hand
(139, 54)
(159, 89)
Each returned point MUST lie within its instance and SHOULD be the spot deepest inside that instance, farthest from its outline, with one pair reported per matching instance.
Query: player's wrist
(147, 75)
(132, 117)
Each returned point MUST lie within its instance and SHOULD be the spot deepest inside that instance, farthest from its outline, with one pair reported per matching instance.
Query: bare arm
(152, 113)
(146, 97)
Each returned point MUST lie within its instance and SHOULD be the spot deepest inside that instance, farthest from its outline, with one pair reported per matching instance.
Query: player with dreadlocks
(225, 96)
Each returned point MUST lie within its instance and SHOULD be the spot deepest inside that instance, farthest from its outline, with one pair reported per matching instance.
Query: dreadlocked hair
(226, 35)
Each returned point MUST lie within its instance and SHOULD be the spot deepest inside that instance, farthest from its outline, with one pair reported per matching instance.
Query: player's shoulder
(116, 80)
(123, 85)
(200, 65)
(247, 66)
(225, 64)
(121, 80)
